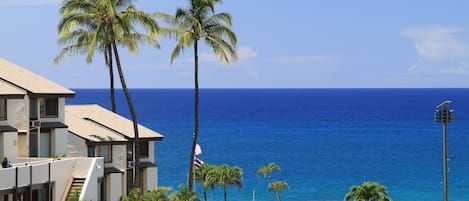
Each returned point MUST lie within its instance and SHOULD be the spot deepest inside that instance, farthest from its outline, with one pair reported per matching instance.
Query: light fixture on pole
(444, 116)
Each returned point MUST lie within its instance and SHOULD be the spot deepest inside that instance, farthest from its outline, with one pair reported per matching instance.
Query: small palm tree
(183, 195)
(226, 176)
(277, 187)
(368, 191)
(266, 170)
(202, 174)
(158, 194)
(134, 195)
(200, 22)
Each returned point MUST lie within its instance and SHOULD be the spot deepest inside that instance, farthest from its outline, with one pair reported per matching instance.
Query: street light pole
(444, 116)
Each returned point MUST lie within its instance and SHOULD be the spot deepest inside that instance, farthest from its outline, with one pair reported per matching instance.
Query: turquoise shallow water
(324, 139)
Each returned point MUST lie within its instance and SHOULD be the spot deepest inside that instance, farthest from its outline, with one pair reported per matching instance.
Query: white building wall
(119, 157)
(150, 178)
(59, 139)
(113, 186)
(76, 146)
(61, 110)
(23, 145)
(9, 145)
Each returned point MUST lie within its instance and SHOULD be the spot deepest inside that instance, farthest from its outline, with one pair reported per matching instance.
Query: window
(49, 107)
(130, 152)
(106, 152)
(3, 109)
(144, 149)
(91, 151)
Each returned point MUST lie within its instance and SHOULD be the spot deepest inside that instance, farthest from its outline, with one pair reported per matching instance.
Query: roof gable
(29, 81)
(101, 117)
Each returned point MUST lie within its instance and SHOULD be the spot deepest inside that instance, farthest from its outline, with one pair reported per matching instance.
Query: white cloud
(439, 49)
(246, 52)
(208, 57)
(302, 59)
(29, 2)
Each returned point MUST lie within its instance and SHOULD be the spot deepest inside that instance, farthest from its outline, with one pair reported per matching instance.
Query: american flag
(197, 162)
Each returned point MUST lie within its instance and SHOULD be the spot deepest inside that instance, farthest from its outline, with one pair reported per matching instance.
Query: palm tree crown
(368, 191)
(86, 26)
(227, 176)
(266, 170)
(277, 187)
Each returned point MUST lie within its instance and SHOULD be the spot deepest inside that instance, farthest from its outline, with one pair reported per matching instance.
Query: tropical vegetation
(198, 22)
(103, 25)
(228, 176)
(204, 175)
(368, 191)
(266, 171)
(277, 186)
(223, 176)
(161, 194)
(93, 37)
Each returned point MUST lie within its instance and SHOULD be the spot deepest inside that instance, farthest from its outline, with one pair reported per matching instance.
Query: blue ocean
(324, 140)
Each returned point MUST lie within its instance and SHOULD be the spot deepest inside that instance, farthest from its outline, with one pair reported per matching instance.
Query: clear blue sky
(282, 44)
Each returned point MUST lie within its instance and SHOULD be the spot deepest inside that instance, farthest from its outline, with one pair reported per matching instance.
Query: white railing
(30, 172)
(94, 170)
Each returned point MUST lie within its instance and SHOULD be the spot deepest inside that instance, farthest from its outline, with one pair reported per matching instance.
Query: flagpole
(193, 173)
(197, 152)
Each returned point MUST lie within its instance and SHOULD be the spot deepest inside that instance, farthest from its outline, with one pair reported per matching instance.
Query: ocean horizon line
(273, 88)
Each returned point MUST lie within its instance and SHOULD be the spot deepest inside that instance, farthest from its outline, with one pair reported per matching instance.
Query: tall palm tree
(226, 176)
(368, 191)
(277, 187)
(85, 40)
(200, 22)
(202, 174)
(99, 25)
(266, 170)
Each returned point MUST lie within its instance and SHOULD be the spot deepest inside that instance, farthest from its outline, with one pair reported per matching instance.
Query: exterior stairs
(75, 188)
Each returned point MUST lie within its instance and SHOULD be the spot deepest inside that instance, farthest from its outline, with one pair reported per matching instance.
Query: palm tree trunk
(205, 194)
(224, 192)
(136, 181)
(196, 114)
(111, 78)
(278, 196)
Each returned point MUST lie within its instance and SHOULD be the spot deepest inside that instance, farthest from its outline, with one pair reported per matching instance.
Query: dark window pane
(3, 109)
(144, 149)
(130, 152)
(49, 107)
(106, 152)
(91, 151)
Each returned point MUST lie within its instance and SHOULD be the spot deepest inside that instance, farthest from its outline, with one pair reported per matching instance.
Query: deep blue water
(325, 140)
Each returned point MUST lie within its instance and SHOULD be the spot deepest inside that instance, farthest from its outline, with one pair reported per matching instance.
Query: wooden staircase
(76, 187)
